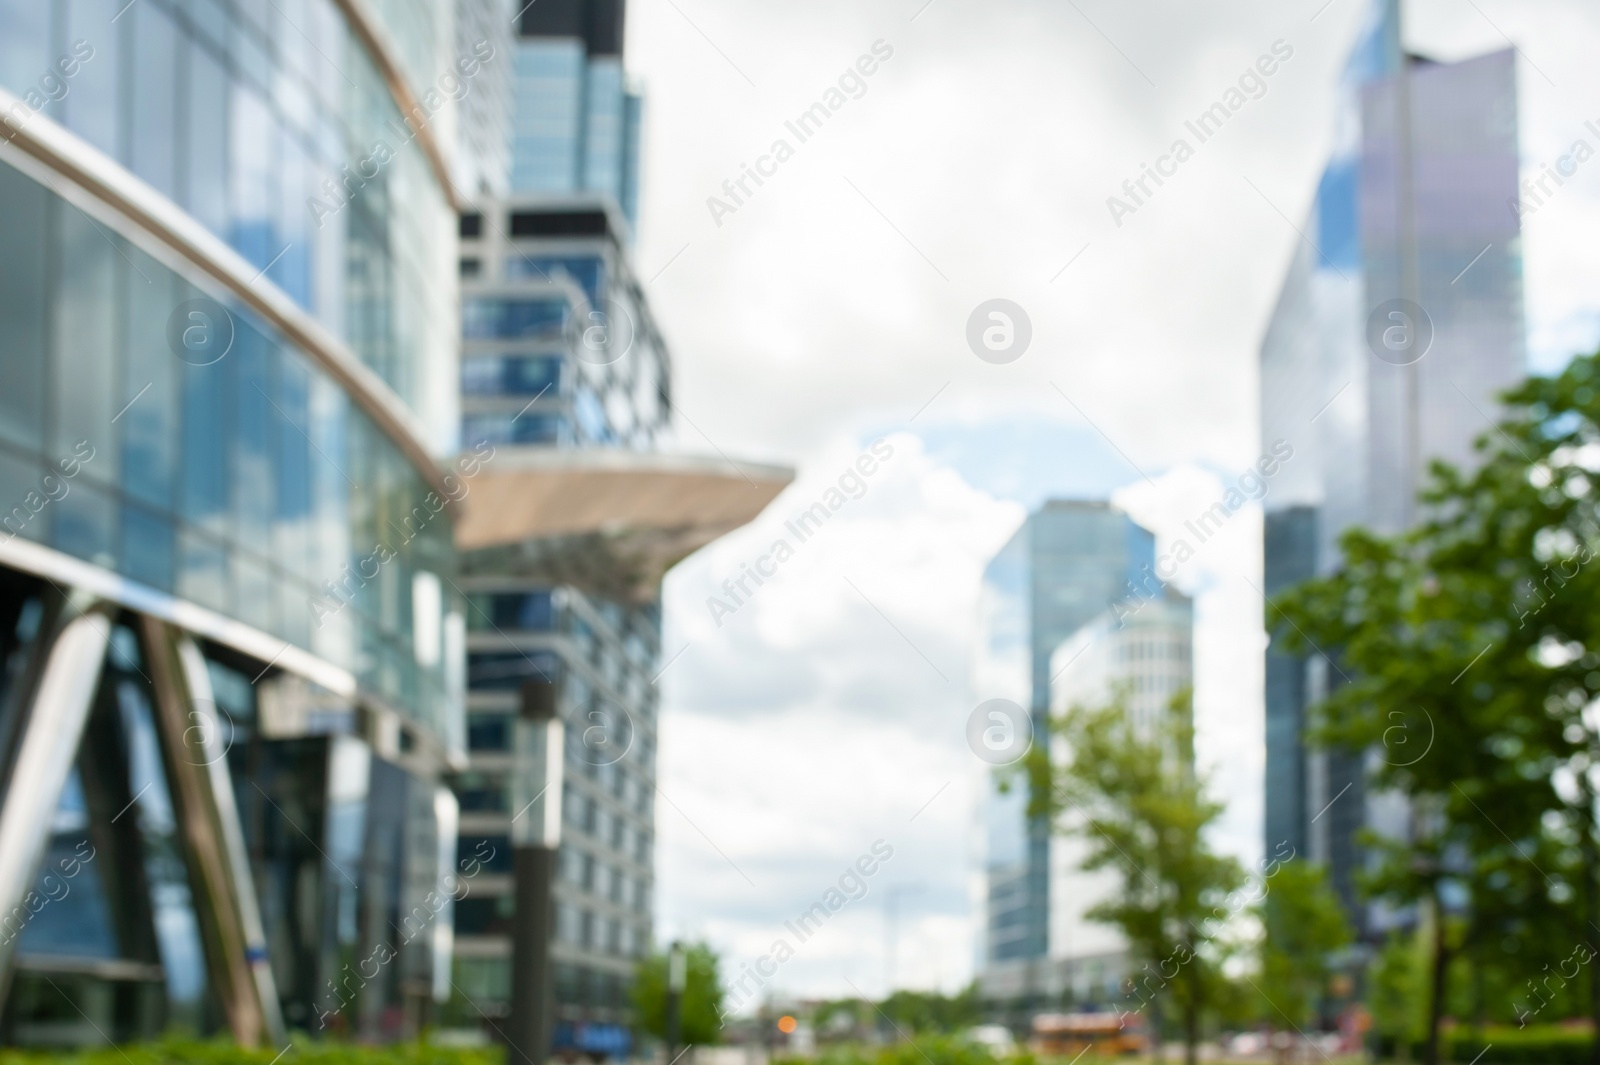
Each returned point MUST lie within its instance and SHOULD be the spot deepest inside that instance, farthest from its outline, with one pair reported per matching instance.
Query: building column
(194, 752)
(47, 745)
(535, 844)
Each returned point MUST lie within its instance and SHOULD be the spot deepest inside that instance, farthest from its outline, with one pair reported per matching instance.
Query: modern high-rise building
(567, 380)
(1399, 322)
(1140, 654)
(576, 128)
(230, 632)
(1068, 564)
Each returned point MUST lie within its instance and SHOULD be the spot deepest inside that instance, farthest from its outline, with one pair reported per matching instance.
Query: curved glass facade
(208, 506)
(269, 124)
(251, 486)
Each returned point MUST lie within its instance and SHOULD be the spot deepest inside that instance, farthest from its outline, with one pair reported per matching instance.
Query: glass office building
(1069, 563)
(560, 356)
(229, 625)
(1418, 204)
(1141, 652)
(566, 378)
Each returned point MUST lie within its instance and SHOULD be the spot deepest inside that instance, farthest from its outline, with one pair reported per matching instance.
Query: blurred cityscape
(342, 469)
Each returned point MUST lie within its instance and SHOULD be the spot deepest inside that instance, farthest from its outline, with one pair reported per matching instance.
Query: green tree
(1394, 991)
(702, 996)
(1304, 928)
(931, 1011)
(1467, 652)
(1134, 796)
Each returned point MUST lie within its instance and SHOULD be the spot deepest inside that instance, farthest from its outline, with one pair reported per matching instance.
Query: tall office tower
(1140, 653)
(1070, 562)
(228, 624)
(577, 125)
(567, 381)
(1399, 322)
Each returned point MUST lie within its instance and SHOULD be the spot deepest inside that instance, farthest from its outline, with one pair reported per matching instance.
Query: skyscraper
(230, 634)
(567, 379)
(1398, 323)
(1141, 653)
(1069, 562)
(577, 124)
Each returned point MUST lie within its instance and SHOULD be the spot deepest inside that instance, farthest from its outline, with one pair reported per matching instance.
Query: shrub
(1538, 1045)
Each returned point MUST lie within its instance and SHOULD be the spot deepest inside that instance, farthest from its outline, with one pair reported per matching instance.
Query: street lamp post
(677, 981)
(535, 846)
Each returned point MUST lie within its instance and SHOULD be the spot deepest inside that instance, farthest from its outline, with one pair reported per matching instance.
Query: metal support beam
(194, 750)
(535, 846)
(47, 745)
(532, 996)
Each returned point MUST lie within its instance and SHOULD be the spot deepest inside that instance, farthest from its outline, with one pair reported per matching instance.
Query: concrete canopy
(611, 522)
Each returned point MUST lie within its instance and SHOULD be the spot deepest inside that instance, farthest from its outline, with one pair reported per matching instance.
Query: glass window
(22, 283)
(155, 98)
(147, 547)
(489, 732)
(84, 334)
(481, 793)
(511, 375)
(528, 428)
(206, 136)
(254, 425)
(91, 106)
(480, 915)
(483, 979)
(588, 272)
(83, 524)
(513, 319)
(254, 135)
(548, 110)
(527, 611)
(509, 670)
(493, 852)
(25, 45)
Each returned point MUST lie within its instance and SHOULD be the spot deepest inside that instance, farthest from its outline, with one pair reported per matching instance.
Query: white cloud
(825, 715)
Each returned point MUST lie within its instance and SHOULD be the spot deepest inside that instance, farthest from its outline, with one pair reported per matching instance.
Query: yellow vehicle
(1071, 1034)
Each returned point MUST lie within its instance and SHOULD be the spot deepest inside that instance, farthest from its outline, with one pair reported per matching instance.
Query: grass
(179, 1051)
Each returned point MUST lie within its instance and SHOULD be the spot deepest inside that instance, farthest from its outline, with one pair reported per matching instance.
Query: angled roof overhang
(609, 521)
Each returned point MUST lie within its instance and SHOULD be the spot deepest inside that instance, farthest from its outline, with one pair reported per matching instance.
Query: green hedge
(927, 1050)
(1540, 1045)
(221, 1052)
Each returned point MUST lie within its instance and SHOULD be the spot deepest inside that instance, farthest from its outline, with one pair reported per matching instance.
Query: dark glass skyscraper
(1398, 324)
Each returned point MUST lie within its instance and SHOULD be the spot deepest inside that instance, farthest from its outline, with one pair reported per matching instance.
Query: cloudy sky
(829, 309)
